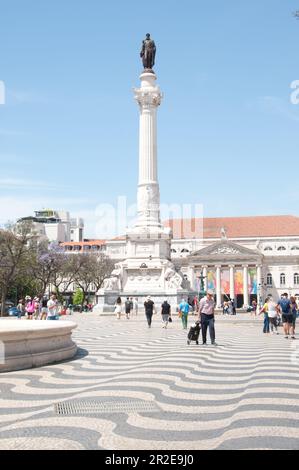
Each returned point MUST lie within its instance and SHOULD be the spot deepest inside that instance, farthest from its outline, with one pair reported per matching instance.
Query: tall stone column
(232, 281)
(149, 97)
(218, 286)
(259, 286)
(245, 285)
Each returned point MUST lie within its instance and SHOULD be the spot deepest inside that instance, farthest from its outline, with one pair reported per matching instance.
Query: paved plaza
(131, 387)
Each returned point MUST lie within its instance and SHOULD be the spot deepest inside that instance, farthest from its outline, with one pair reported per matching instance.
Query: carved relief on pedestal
(114, 282)
(173, 279)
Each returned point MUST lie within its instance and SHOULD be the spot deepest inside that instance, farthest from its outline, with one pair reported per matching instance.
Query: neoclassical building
(244, 258)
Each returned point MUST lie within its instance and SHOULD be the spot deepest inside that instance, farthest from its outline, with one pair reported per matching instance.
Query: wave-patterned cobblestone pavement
(131, 387)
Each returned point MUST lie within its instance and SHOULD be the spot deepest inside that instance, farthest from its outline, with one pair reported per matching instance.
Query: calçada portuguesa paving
(131, 387)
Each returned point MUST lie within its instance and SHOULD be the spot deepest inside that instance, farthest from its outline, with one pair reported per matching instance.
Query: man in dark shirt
(128, 307)
(165, 312)
(149, 310)
(284, 304)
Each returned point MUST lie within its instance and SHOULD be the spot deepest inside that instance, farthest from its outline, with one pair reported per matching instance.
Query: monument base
(106, 301)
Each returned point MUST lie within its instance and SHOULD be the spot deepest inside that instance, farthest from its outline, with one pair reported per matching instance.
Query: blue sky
(227, 135)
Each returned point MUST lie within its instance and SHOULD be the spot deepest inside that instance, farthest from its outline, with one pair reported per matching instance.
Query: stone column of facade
(232, 281)
(259, 286)
(218, 286)
(245, 285)
(149, 97)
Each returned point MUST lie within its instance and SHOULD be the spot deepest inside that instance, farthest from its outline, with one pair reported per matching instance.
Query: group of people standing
(206, 311)
(287, 309)
(229, 307)
(44, 309)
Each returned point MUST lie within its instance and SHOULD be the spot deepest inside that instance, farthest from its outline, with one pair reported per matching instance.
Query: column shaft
(232, 282)
(245, 286)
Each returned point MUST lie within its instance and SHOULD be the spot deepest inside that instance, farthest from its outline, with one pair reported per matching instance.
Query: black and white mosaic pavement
(134, 388)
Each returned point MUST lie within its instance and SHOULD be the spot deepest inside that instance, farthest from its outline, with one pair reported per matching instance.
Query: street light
(201, 292)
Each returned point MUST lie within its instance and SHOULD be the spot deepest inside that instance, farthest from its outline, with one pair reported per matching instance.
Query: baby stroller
(194, 331)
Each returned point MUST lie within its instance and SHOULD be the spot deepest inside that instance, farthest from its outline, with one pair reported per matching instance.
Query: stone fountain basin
(33, 343)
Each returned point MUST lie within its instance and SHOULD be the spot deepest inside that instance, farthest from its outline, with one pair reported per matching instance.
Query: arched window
(281, 248)
(296, 279)
(282, 279)
(268, 248)
(269, 280)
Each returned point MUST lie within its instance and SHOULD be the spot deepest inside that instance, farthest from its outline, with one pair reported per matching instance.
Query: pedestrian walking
(207, 317)
(21, 308)
(149, 310)
(294, 310)
(44, 308)
(284, 304)
(36, 308)
(184, 308)
(233, 304)
(30, 309)
(128, 307)
(166, 313)
(264, 310)
(135, 306)
(52, 306)
(254, 308)
(118, 308)
(273, 316)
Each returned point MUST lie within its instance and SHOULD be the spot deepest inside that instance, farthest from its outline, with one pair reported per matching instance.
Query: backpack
(285, 305)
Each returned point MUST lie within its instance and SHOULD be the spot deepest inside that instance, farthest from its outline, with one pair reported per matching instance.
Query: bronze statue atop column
(148, 53)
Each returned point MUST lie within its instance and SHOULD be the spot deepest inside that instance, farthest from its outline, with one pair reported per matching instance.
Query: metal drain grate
(97, 407)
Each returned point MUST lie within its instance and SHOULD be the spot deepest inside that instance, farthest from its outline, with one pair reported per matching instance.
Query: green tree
(78, 297)
(17, 252)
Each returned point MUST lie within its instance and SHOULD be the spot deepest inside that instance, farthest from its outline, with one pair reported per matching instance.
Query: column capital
(218, 266)
(231, 266)
(245, 265)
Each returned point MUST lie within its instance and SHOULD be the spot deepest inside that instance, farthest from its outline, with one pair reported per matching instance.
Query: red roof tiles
(236, 227)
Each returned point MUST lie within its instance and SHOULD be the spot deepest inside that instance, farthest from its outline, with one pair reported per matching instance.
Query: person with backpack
(284, 304)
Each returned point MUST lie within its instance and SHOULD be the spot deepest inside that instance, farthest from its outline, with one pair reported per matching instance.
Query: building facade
(57, 226)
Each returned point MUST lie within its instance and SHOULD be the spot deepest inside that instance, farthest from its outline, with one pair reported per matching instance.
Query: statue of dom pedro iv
(148, 52)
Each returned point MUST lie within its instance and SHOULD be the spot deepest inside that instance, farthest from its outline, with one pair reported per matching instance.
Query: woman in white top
(118, 308)
(272, 314)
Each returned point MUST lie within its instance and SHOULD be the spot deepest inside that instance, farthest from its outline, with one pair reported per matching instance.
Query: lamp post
(201, 291)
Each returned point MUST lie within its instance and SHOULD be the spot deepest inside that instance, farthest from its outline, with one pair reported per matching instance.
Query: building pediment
(226, 249)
